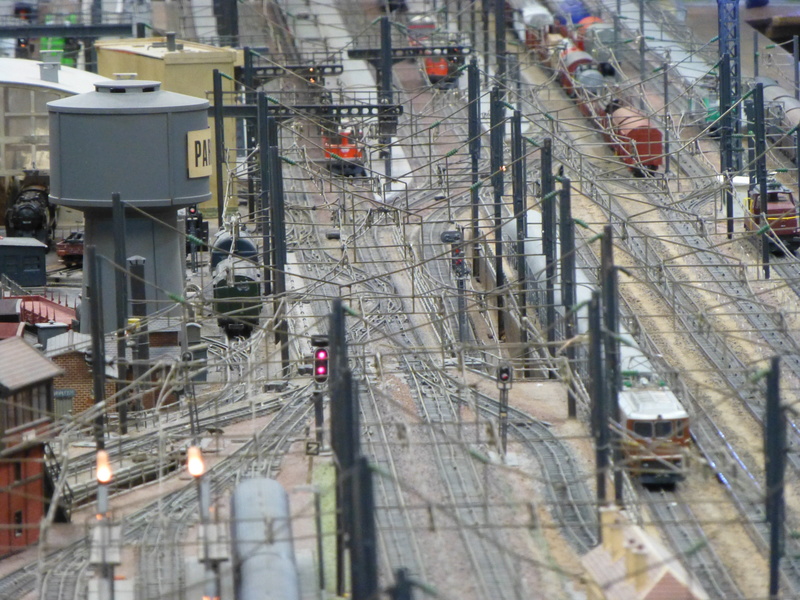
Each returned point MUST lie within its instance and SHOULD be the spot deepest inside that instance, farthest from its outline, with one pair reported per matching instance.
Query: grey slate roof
(22, 365)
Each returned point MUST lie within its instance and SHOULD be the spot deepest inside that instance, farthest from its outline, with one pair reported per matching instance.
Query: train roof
(650, 404)
(240, 267)
(537, 16)
(21, 71)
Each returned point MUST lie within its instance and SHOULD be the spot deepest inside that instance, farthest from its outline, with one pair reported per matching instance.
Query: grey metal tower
(729, 43)
(152, 147)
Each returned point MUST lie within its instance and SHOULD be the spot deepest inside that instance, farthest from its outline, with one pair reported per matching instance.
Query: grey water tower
(151, 146)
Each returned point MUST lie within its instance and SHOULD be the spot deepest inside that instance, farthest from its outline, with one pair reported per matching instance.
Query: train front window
(779, 197)
(643, 429)
(663, 429)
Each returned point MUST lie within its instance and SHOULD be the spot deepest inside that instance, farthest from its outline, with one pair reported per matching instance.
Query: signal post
(462, 272)
(319, 343)
(504, 379)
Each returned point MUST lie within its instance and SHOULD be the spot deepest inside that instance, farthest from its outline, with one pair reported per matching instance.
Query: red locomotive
(344, 151)
(782, 213)
(441, 70)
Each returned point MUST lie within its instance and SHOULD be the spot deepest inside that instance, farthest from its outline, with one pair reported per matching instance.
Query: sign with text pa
(198, 153)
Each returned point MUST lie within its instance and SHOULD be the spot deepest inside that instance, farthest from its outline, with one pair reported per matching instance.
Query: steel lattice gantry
(729, 41)
(731, 90)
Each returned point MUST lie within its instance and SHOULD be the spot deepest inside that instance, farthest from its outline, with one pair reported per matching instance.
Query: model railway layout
(478, 300)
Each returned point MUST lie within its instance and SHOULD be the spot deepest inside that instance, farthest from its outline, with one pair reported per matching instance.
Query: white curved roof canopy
(21, 71)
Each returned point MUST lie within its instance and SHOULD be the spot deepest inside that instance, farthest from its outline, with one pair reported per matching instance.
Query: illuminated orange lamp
(194, 462)
(104, 473)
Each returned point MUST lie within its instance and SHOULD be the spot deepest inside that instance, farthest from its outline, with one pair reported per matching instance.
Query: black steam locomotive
(30, 213)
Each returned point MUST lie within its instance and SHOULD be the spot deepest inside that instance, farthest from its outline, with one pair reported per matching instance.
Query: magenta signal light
(321, 365)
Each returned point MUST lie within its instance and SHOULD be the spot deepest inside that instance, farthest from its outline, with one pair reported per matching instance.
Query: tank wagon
(264, 566)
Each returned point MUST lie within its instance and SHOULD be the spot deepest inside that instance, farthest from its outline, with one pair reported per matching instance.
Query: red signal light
(321, 365)
(504, 374)
(457, 260)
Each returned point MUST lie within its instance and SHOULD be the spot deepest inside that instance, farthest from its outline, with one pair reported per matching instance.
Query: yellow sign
(198, 153)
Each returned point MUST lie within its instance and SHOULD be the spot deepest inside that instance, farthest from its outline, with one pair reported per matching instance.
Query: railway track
(746, 491)
(714, 435)
(462, 479)
(686, 534)
(67, 568)
(712, 573)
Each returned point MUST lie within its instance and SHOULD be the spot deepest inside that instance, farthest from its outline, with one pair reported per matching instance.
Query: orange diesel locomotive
(656, 435)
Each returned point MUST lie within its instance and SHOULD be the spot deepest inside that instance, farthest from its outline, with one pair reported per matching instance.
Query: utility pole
(345, 430)
(219, 144)
(474, 132)
(761, 172)
(611, 345)
(496, 137)
(568, 290)
(121, 283)
(364, 546)
(667, 117)
(500, 44)
(726, 137)
(549, 241)
(141, 348)
(385, 93)
(599, 391)
(775, 453)
(520, 214)
(92, 261)
(250, 128)
(278, 227)
(266, 139)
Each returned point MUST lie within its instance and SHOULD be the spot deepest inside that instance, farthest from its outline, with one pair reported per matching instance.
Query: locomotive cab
(442, 71)
(344, 152)
(30, 213)
(782, 213)
(236, 280)
(420, 28)
(656, 428)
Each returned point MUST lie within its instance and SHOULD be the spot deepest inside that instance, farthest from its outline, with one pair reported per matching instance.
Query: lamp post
(208, 555)
(105, 553)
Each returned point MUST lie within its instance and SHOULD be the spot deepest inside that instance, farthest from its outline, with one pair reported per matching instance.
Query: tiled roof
(9, 330)
(665, 578)
(22, 365)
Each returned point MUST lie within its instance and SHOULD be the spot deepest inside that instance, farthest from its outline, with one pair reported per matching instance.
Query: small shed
(181, 66)
(23, 261)
(10, 309)
(28, 473)
(630, 564)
